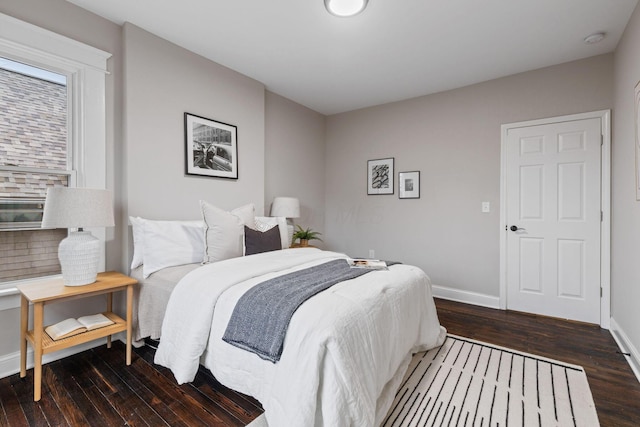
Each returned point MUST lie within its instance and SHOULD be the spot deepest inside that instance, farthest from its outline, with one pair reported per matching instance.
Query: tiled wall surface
(29, 253)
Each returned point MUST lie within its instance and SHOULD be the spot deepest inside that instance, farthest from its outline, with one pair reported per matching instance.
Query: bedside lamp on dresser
(79, 256)
(79, 253)
(287, 207)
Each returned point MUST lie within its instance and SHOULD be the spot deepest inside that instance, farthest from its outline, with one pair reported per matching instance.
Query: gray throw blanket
(261, 317)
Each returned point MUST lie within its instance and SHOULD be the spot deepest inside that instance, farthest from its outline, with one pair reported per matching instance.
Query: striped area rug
(470, 383)
(467, 383)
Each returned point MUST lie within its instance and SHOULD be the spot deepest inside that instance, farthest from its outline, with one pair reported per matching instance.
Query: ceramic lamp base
(290, 231)
(79, 256)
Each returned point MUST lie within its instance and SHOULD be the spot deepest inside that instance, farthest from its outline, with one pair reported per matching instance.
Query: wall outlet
(372, 253)
(486, 207)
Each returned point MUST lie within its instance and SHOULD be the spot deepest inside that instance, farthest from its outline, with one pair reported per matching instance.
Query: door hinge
(601, 140)
(601, 216)
(601, 292)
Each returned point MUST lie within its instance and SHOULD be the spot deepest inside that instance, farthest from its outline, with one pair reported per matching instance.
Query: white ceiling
(394, 50)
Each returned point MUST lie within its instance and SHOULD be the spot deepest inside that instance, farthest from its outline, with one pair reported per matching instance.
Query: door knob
(515, 228)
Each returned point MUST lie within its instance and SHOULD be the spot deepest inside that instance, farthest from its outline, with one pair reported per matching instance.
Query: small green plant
(306, 234)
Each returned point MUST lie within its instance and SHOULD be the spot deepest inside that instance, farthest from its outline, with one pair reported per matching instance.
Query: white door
(553, 219)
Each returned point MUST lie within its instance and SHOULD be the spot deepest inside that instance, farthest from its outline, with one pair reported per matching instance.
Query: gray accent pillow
(223, 231)
(256, 242)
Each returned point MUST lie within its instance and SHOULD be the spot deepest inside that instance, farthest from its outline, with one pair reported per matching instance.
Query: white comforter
(345, 350)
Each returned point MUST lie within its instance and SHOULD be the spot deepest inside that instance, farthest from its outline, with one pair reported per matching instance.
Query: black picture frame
(211, 147)
(380, 176)
(409, 185)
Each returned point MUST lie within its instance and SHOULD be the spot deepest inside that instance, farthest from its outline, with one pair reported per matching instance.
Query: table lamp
(79, 253)
(288, 207)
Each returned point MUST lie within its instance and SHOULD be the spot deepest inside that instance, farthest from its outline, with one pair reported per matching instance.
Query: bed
(345, 350)
(150, 299)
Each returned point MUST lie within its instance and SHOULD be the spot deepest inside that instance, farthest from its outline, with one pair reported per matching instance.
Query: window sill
(9, 294)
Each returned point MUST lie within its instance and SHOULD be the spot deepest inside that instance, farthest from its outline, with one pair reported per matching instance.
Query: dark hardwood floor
(95, 388)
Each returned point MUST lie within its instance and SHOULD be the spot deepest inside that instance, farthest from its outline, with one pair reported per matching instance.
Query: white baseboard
(465, 296)
(626, 346)
(10, 363)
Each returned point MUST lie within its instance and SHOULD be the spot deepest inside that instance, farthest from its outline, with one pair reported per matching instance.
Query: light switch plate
(486, 207)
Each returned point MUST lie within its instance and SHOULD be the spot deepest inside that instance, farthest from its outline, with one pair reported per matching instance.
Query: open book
(70, 327)
(371, 264)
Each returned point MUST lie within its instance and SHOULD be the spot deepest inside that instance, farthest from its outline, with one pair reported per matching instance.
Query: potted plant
(305, 235)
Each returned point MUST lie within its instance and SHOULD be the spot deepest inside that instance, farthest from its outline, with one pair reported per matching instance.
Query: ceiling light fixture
(345, 8)
(594, 38)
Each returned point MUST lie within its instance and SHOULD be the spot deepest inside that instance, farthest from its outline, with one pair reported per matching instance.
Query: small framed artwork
(380, 176)
(211, 147)
(409, 185)
(637, 138)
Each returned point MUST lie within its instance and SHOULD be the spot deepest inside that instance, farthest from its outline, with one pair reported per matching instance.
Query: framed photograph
(211, 147)
(409, 185)
(637, 144)
(380, 176)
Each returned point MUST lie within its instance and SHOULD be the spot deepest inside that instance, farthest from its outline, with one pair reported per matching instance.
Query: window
(34, 154)
(34, 149)
(52, 133)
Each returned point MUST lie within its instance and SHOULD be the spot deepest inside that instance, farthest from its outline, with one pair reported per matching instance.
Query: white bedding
(343, 346)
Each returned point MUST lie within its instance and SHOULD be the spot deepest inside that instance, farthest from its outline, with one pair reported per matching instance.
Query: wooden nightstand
(53, 290)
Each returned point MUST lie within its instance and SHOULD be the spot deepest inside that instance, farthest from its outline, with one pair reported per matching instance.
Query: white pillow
(161, 244)
(264, 223)
(224, 231)
(171, 243)
(138, 241)
(137, 224)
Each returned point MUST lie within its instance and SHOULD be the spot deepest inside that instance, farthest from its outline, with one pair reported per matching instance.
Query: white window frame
(69, 171)
(86, 70)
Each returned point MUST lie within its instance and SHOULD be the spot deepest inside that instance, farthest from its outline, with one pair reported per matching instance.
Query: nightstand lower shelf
(50, 345)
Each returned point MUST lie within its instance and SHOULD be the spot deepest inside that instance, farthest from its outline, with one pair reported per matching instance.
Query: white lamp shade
(79, 253)
(288, 207)
(77, 208)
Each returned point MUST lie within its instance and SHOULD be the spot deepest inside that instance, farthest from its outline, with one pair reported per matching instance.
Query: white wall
(625, 222)
(453, 138)
(294, 158)
(163, 81)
